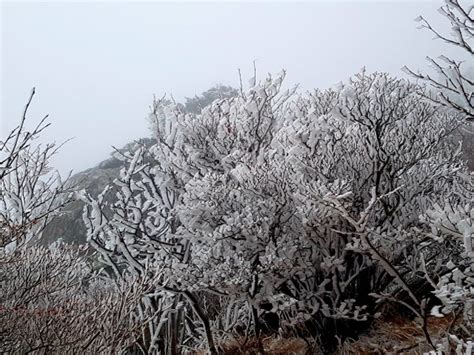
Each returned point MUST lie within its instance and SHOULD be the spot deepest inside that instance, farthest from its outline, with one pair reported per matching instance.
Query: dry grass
(394, 336)
(397, 336)
(271, 345)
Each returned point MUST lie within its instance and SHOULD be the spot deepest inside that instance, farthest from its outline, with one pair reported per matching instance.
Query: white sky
(97, 65)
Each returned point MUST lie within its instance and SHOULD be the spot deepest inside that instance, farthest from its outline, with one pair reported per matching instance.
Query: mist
(96, 66)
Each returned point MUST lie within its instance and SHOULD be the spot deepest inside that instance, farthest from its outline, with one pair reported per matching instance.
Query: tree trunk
(204, 319)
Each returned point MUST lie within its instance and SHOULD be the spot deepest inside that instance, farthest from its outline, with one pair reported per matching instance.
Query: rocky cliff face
(69, 226)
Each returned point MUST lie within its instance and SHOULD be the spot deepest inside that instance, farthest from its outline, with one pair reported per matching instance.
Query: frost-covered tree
(305, 206)
(375, 157)
(452, 224)
(453, 80)
(30, 192)
(51, 299)
(451, 221)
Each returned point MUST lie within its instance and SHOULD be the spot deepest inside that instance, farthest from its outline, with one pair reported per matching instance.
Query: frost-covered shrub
(31, 193)
(51, 299)
(452, 223)
(367, 166)
(306, 206)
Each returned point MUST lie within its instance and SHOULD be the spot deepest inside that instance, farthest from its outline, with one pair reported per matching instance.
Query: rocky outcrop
(69, 226)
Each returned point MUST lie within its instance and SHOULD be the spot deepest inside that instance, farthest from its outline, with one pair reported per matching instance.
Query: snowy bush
(314, 207)
(30, 192)
(51, 299)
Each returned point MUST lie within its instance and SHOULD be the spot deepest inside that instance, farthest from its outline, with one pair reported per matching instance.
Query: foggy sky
(96, 66)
